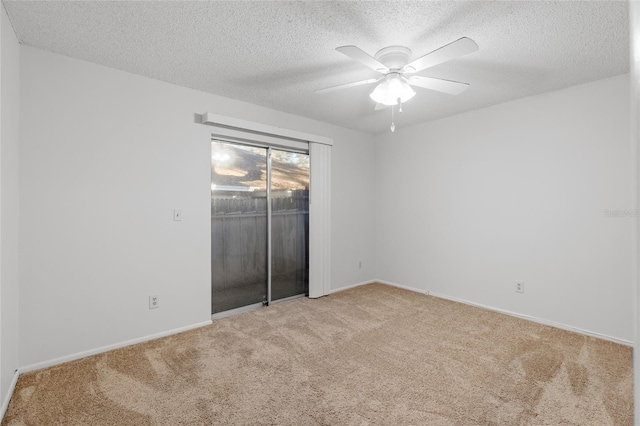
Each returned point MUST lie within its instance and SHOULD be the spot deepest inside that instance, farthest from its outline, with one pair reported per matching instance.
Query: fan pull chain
(393, 116)
(393, 125)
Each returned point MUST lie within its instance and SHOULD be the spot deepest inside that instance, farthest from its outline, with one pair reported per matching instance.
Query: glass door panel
(238, 226)
(289, 224)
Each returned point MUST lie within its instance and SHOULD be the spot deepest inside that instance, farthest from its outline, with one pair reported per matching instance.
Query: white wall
(9, 137)
(470, 204)
(352, 211)
(105, 158)
(634, 15)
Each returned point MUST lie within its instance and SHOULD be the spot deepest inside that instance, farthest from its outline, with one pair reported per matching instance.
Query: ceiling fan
(393, 63)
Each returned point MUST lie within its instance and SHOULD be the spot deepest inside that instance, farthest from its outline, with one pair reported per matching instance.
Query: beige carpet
(373, 355)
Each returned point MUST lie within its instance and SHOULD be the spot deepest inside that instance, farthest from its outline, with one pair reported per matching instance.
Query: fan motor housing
(394, 57)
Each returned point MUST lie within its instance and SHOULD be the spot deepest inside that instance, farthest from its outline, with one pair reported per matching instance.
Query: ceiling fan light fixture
(391, 89)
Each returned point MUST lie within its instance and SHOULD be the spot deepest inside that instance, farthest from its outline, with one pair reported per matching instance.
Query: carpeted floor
(372, 355)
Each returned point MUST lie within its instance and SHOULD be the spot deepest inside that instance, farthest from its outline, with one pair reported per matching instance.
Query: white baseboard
(336, 290)
(510, 313)
(84, 354)
(7, 398)
(538, 320)
(405, 287)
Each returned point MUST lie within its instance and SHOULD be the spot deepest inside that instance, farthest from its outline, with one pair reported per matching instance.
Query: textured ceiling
(276, 54)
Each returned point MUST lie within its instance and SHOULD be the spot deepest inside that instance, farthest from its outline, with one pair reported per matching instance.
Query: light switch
(177, 214)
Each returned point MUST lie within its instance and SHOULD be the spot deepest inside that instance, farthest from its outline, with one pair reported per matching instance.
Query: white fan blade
(460, 47)
(445, 86)
(344, 86)
(380, 106)
(363, 57)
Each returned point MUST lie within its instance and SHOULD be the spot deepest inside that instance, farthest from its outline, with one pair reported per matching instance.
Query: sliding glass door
(289, 224)
(259, 225)
(238, 226)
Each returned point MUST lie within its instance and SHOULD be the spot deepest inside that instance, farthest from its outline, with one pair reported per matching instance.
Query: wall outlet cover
(154, 302)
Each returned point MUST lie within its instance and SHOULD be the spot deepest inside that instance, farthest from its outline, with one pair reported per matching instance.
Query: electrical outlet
(154, 302)
(520, 287)
(359, 264)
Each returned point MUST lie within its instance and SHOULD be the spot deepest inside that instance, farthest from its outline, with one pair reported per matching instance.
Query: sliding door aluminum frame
(269, 149)
(269, 219)
(236, 311)
(284, 145)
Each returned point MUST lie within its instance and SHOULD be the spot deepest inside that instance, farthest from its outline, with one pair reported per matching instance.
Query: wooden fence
(239, 243)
